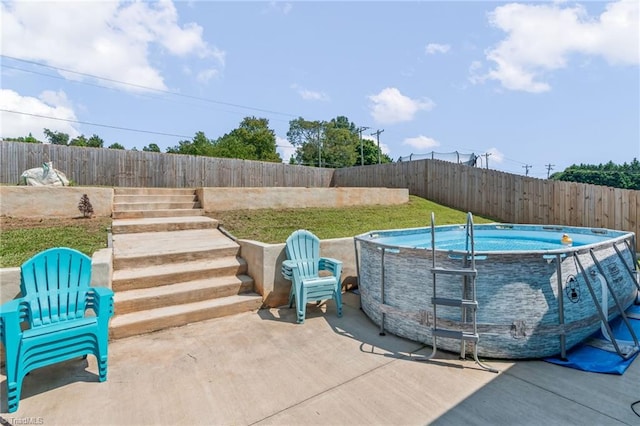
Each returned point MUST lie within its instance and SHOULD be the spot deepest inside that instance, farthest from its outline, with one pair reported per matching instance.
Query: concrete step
(181, 293)
(157, 248)
(126, 199)
(159, 224)
(142, 214)
(159, 275)
(136, 323)
(159, 205)
(154, 191)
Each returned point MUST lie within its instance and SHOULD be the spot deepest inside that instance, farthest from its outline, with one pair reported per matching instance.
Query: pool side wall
(517, 293)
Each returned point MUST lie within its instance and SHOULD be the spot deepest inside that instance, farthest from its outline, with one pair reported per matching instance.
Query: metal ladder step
(455, 334)
(457, 303)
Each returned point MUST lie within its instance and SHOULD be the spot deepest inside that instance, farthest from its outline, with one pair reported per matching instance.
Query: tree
(335, 143)
(152, 147)
(252, 140)
(26, 139)
(370, 153)
(95, 141)
(199, 145)
(78, 141)
(306, 136)
(625, 176)
(116, 145)
(56, 138)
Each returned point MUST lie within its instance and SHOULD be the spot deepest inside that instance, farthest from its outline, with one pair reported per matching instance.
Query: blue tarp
(589, 358)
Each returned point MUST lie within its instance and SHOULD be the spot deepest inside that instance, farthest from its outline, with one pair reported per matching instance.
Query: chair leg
(302, 306)
(14, 386)
(338, 298)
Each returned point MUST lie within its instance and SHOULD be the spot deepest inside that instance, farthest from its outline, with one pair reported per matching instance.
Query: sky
(532, 87)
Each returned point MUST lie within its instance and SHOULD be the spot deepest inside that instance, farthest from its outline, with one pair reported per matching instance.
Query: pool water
(493, 240)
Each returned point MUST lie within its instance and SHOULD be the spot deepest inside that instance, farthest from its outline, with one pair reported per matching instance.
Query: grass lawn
(274, 226)
(22, 238)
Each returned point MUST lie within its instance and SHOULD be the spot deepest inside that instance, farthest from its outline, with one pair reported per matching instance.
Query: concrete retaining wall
(265, 261)
(53, 201)
(221, 199)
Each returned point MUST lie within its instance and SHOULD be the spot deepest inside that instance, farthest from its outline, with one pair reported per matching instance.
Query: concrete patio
(263, 368)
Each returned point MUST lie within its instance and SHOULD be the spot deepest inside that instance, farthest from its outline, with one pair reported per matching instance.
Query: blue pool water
(494, 238)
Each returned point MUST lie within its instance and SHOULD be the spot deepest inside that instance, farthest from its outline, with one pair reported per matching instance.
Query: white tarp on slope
(43, 176)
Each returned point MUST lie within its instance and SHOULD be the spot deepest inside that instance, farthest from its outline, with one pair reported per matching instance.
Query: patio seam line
(403, 357)
(564, 397)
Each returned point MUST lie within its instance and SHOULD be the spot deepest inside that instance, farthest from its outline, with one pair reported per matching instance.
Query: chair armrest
(332, 265)
(100, 299)
(287, 269)
(12, 313)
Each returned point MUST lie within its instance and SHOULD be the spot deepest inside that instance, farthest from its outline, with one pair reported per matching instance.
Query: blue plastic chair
(303, 266)
(48, 324)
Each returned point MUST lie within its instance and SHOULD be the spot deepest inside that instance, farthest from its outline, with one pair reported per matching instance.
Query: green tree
(78, 141)
(370, 153)
(95, 141)
(199, 145)
(625, 176)
(335, 143)
(26, 139)
(56, 138)
(116, 145)
(252, 140)
(152, 147)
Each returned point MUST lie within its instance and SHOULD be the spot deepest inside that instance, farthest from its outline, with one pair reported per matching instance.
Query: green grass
(274, 226)
(21, 239)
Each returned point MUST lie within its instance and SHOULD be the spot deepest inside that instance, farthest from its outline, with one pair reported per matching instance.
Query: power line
(139, 86)
(95, 124)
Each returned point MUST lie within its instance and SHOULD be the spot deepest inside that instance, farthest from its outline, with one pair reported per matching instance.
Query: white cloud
(421, 142)
(540, 39)
(310, 95)
(433, 48)
(495, 156)
(106, 39)
(49, 104)
(285, 149)
(390, 106)
(205, 75)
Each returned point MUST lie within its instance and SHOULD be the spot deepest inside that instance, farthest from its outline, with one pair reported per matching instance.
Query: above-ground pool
(532, 291)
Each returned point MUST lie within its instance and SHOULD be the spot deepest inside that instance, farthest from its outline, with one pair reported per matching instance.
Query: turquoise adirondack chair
(48, 324)
(302, 268)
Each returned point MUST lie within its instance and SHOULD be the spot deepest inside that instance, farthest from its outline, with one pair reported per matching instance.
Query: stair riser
(129, 199)
(155, 206)
(169, 321)
(147, 214)
(154, 281)
(152, 302)
(162, 227)
(153, 191)
(141, 262)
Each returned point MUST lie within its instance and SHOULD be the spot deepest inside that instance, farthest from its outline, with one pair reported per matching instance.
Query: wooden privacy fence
(502, 196)
(120, 168)
(497, 195)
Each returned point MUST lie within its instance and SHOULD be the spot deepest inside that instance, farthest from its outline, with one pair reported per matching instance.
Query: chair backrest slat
(54, 281)
(304, 247)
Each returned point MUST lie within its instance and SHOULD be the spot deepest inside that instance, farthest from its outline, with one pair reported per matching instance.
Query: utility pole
(360, 130)
(319, 147)
(526, 167)
(486, 156)
(549, 168)
(377, 133)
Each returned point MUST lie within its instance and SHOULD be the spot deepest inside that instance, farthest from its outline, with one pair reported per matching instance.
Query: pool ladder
(468, 303)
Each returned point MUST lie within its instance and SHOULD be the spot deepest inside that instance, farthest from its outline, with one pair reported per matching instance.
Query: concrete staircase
(171, 265)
